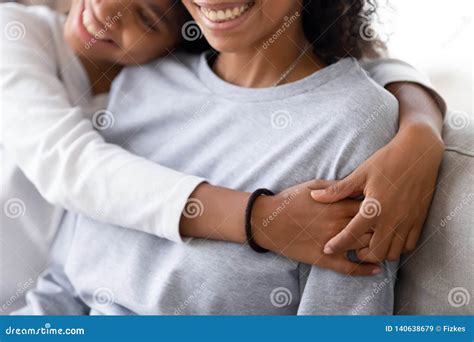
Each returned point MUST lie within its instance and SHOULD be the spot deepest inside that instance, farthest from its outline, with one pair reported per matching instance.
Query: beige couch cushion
(437, 278)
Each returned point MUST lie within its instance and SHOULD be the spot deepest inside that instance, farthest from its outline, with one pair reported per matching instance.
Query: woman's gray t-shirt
(177, 112)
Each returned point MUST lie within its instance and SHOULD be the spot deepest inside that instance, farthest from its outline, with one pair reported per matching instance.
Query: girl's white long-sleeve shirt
(49, 116)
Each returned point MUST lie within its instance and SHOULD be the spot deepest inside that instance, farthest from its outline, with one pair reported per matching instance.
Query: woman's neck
(286, 60)
(100, 74)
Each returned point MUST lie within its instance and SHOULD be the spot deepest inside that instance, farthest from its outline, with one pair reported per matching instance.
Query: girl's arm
(58, 149)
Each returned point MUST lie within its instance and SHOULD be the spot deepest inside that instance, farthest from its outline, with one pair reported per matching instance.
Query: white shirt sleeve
(68, 161)
(389, 70)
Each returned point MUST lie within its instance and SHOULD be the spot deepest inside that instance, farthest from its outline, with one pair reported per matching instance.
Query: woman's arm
(400, 178)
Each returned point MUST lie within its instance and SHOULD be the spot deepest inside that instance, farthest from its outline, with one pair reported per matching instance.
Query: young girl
(61, 153)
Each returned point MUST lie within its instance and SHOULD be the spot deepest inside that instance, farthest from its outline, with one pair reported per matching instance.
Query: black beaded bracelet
(248, 218)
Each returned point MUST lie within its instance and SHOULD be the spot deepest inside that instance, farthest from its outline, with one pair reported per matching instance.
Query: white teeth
(220, 15)
(224, 15)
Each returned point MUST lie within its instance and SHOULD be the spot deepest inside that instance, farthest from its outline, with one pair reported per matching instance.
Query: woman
(236, 34)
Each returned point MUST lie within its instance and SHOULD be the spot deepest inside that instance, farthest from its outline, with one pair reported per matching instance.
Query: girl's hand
(293, 225)
(398, 182)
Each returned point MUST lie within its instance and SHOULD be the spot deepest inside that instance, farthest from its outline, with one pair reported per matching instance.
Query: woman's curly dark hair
(336, 28)
(342, 28)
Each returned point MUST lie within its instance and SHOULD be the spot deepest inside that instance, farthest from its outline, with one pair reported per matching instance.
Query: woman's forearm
(418, 108)
(215, 213)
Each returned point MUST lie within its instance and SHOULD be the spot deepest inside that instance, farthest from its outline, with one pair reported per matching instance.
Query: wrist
(222, 217)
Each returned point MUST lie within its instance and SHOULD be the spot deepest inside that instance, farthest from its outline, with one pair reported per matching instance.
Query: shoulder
(358, 103)
(28, 28)
(19, 21)
(359, 90)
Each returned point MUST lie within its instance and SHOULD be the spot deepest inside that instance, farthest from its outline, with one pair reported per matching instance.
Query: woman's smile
(222, 15)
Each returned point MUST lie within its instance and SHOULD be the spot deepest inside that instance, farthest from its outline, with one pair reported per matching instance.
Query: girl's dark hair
(336, 28)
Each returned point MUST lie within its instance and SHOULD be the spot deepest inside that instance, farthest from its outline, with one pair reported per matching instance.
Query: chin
(226, 45)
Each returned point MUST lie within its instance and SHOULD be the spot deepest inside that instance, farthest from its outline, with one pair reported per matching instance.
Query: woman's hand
(293, 225)
(290, 223)
(398, 182)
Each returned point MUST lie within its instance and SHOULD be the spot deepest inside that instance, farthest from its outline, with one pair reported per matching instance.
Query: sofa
(438, 277)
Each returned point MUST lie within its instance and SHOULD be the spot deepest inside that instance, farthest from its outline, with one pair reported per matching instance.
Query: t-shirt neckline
(310, 82)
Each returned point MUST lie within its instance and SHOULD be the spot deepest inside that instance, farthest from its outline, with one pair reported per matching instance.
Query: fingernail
(328, 250)
(317, 192)
(376, 270)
